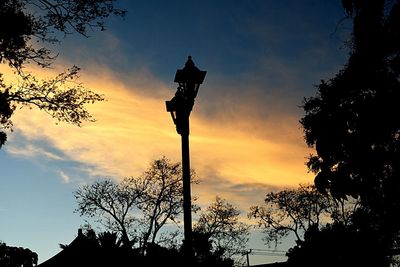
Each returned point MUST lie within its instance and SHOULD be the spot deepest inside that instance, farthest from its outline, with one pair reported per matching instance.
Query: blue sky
(261, 57)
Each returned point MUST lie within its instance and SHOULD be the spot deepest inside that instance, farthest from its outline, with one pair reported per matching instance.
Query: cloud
(131, 130)
(242, 194)
(31, 151)
(249, 147)
(64, 177)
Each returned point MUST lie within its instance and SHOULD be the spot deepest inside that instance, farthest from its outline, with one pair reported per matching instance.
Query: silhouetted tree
(221, 225)
(111, 204)
(155, 197)
(22, 22)
(353, 122)
(162, 200)
(294, 211)
(17, 256)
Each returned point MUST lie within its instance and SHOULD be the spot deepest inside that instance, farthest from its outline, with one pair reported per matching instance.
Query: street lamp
(189, 79)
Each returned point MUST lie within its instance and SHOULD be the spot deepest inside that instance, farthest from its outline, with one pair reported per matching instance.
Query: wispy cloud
(31, 151)
(64, 177)
(248, 152)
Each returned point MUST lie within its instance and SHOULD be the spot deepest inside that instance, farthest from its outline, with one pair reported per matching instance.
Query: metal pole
(187, 206)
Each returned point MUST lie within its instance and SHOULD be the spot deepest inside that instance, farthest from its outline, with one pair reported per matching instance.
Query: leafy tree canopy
(353, 121)
(26, 29)
(17, 256)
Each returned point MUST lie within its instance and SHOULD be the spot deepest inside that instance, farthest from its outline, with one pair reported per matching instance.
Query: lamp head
(189, 79)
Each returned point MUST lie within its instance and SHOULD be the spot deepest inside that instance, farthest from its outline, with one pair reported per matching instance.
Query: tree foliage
(221, 225)
(24, 21)
(111, 204)
(289, 211)
(136, 207)
(27, 27)
(353, 121)
(294, 211)
(17, 256)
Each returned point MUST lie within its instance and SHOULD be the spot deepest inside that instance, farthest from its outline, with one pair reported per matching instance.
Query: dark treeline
(105, 249)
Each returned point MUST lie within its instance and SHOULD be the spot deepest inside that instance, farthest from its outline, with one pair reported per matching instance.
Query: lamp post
(189, 79)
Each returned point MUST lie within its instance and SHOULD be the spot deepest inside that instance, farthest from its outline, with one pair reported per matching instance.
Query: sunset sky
(262, 58)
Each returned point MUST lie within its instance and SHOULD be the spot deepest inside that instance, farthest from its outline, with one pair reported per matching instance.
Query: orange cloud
(133, 128)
